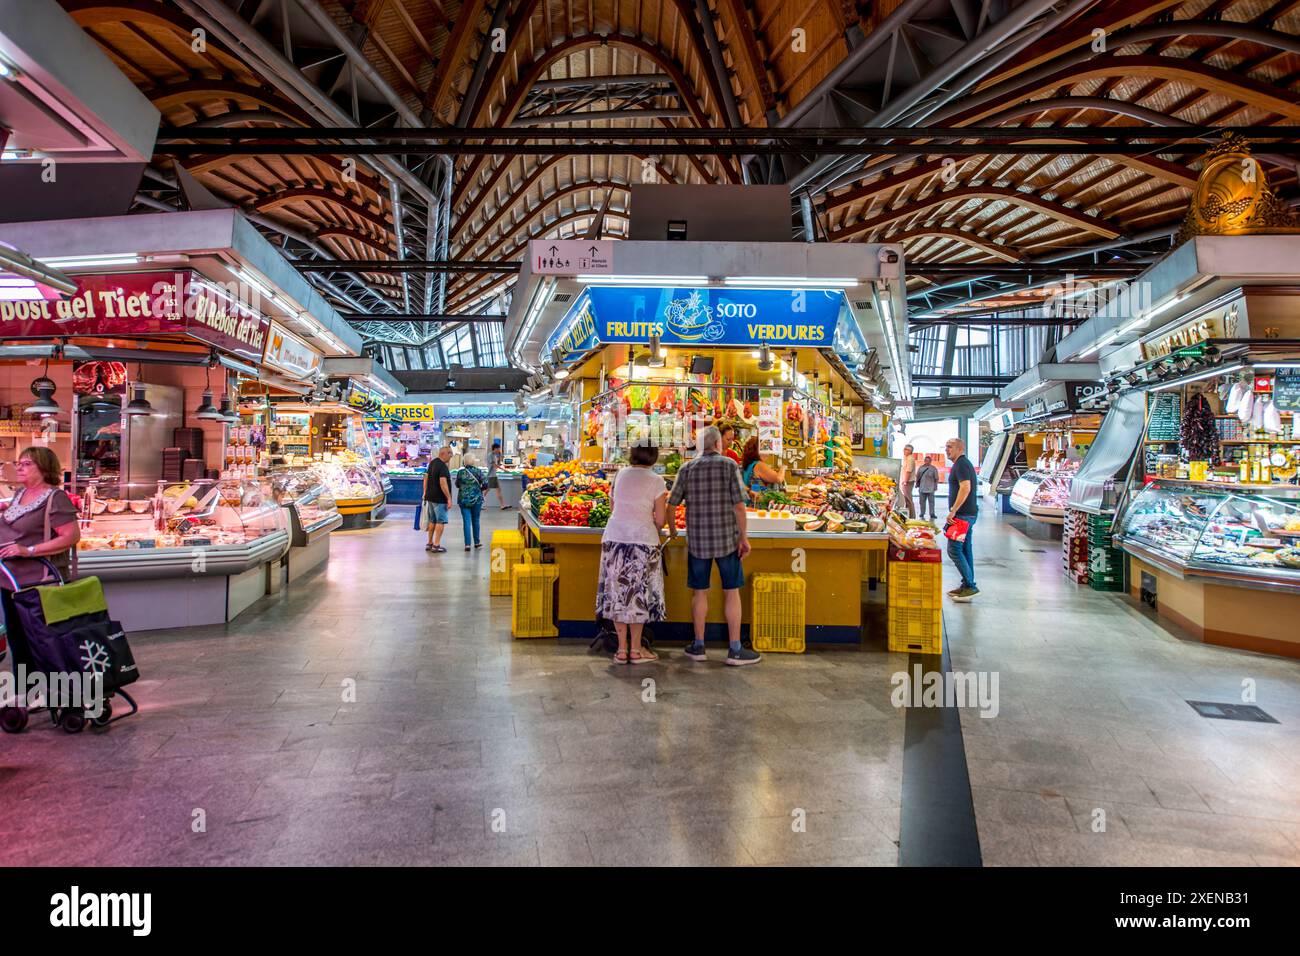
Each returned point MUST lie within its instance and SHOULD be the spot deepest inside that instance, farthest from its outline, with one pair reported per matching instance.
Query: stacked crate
(1106, 563)
(1074, 546)
(915, 592)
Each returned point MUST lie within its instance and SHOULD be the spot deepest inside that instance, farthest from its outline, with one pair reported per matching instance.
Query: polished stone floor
(462, 746)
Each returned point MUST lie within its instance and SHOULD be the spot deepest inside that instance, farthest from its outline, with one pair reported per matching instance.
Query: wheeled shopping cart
(58, 628)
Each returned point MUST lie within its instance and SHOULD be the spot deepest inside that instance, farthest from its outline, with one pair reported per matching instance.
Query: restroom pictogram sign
(571, 257)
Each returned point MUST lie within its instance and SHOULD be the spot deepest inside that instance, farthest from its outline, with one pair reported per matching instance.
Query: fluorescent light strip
(73, 262)
(256, 283)
(1178, 383)
(1276, 365)
(642, 280)
(782, 282)
(1102, 343)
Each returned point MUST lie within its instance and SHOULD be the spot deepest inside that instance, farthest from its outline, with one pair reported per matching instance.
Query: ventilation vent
(863, 305)
(562, 297)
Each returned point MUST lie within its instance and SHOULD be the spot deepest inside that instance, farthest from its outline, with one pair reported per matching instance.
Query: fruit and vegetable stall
(832, 530)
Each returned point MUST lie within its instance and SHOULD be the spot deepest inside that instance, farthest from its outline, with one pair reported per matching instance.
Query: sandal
(620, 657)
(644, 656)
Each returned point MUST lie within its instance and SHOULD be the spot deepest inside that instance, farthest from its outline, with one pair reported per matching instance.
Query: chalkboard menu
(1166, 416)
(1286, 390)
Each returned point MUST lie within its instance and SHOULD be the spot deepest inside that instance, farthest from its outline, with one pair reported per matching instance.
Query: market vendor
(728, 439)
(757, 475)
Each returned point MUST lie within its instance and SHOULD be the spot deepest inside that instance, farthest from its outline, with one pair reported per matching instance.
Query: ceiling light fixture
(139, 405)
(1179, 382)
(764, 358)
(656, 359)
(43, 388)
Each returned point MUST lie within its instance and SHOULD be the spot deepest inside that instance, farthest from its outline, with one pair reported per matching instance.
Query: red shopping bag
(955, 530)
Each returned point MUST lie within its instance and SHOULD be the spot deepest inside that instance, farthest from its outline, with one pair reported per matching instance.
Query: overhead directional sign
(571, 257)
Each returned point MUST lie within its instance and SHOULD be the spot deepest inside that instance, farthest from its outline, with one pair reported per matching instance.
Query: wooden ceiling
(998, 208)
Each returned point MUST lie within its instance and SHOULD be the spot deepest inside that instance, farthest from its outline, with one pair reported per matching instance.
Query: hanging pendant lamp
(207, 411)
(139, 405)
(43, 388)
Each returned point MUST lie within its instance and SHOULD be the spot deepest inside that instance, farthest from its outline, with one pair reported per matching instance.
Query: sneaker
(964, 595)
(954, 592)
(743, 656)
(696, 652)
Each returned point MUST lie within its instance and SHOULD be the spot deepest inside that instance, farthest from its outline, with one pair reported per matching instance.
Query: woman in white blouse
(630, 589)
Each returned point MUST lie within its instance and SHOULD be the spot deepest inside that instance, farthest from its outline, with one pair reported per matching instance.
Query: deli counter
(179, 554)
(312, 514)
(1222, 561)
(1042, 495)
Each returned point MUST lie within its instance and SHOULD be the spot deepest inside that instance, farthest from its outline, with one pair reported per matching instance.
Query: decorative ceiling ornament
(1232, 196)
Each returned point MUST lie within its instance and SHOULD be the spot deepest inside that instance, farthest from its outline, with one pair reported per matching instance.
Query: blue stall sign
(702, 317)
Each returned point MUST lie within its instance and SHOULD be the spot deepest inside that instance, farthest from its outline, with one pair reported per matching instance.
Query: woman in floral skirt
(630, 589)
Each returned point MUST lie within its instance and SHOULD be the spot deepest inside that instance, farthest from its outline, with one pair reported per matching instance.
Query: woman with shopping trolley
(39, 522)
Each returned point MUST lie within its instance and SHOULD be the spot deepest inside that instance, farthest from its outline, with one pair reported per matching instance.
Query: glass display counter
(313, 514)
(1042, 495)
(178, 554)
(1194, 528)
(357, 489)
(1220, 562)
(308, 501)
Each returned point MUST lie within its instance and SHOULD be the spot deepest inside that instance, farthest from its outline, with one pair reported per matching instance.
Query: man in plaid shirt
(715, 532)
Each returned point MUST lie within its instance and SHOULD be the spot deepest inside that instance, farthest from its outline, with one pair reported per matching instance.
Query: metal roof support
(238, 33)
(976, 49)
(469, 101)
(710, 32)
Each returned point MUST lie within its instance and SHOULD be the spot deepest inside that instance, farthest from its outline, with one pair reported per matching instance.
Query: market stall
(217, 537)
(328, 439)
(1211, 520)
(651, 362)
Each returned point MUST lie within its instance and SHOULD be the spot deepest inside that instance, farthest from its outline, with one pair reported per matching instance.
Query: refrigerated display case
(356, 487)
(312, 513)
(309, 502)
(1221, 562)
(1252, 536)
(178, 554)
(1042, 495)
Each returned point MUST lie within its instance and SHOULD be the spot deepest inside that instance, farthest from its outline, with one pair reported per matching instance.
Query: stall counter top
(847, 539)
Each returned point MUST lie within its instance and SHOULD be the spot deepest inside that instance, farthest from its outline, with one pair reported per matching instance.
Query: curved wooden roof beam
(488, 188)
(513, 229)
(934, 201)
(1151, 165)
(533, 72)
(1263, 95)
(311, 193)
(974, 241)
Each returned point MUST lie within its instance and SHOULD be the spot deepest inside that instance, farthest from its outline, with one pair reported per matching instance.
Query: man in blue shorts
(709, 485)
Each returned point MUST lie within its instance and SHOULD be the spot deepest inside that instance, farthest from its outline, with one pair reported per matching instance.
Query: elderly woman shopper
(40, 521)
(630, 587)
(470, 482)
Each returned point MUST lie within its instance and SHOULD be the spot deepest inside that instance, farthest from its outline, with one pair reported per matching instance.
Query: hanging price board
(1166, 417)
(1286, 390)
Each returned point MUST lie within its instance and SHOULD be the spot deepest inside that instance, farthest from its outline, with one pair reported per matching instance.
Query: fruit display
(912, 535)
(559, 469)
(598, 516)
(847, 492)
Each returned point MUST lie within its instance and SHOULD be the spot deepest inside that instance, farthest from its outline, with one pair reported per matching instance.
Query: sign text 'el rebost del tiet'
(142, 305)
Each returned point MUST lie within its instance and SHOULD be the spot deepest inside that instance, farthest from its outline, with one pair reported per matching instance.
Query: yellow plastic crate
(532, 611)
(507, 551)
(915, 630)
(777, 623)
(915, 584)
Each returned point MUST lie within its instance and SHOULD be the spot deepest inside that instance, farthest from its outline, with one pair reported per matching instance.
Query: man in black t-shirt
(437, 495)
(963, 503)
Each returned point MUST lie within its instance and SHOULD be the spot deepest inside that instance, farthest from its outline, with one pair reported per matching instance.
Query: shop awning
(1121, 430)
